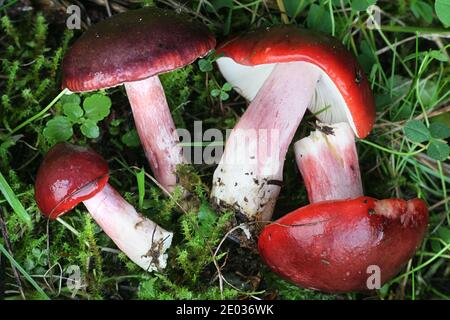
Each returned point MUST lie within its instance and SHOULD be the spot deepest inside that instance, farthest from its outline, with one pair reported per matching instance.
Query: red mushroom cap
(289, 44)
(68, 175)
(132, 46)
(329, 245)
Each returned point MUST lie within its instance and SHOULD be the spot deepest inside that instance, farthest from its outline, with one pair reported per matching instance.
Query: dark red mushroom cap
(290, 44)
(132, 46)
(329, 245)
(68, 175)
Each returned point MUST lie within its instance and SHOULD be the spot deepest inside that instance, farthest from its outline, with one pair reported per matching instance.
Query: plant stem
(22, 271)
(40, 113)
(444, 190)
(15, 204)
(398, 153)
(333, 24)
(420, 30)
(7, 243)
(437, 255)
(282, 9)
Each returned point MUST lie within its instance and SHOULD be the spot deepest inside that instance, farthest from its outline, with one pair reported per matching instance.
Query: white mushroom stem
(142, 240)
(328, 162)
(249, 175)
(156, 129)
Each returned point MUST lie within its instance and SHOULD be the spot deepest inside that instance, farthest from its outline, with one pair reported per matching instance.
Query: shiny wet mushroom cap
(68, 175)
(331, 245)
(283, 71)
(134, 45)
(341, 238)
(72, 174)
(133, 48)
(342, 92)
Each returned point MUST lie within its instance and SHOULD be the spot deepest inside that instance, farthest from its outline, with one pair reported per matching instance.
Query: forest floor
(406, 61)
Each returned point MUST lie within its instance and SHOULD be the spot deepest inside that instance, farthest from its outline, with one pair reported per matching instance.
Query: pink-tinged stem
(249, 175)
(142, 240)
(156, 129)
(328, 162)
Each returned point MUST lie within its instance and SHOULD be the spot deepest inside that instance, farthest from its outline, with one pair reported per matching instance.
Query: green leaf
(367, 57)
(438, 55)
(73, 111)
(131, 139)
(90, 129)
(97, 107)
(15, 204)
(444, 233)
(438, 150)
(443, 118)
(416, 131)
(224, 96)
(219, 4)
(70, 98)
(319, 19)
(114, 128)
(207, 217)
(362, 5)
(423, 10)
(58, 129)
(439, 130)
(140, 177)
(215, 93)
(116, 122)
(427, 91)
(294, 7)
(227, 86)
(205, 65)
(442, 8)
(435, 245)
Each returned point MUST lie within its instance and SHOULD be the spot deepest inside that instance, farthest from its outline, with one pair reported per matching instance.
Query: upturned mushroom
(334, 246)
(72, 174)
(335, 243)
(132, 48)
(282, 71)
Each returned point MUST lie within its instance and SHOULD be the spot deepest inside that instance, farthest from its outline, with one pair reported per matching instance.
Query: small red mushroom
(72, 174)
(132, 48)
(332, 244)
(283, 71)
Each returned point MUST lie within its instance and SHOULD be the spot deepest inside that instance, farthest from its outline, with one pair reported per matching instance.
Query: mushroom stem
(328, 162)
(249, 175)
(156, 129)
(142, 240)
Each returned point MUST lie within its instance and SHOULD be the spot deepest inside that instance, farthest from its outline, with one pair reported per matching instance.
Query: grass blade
(14, 202)
(24, 273)
(140, 176)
